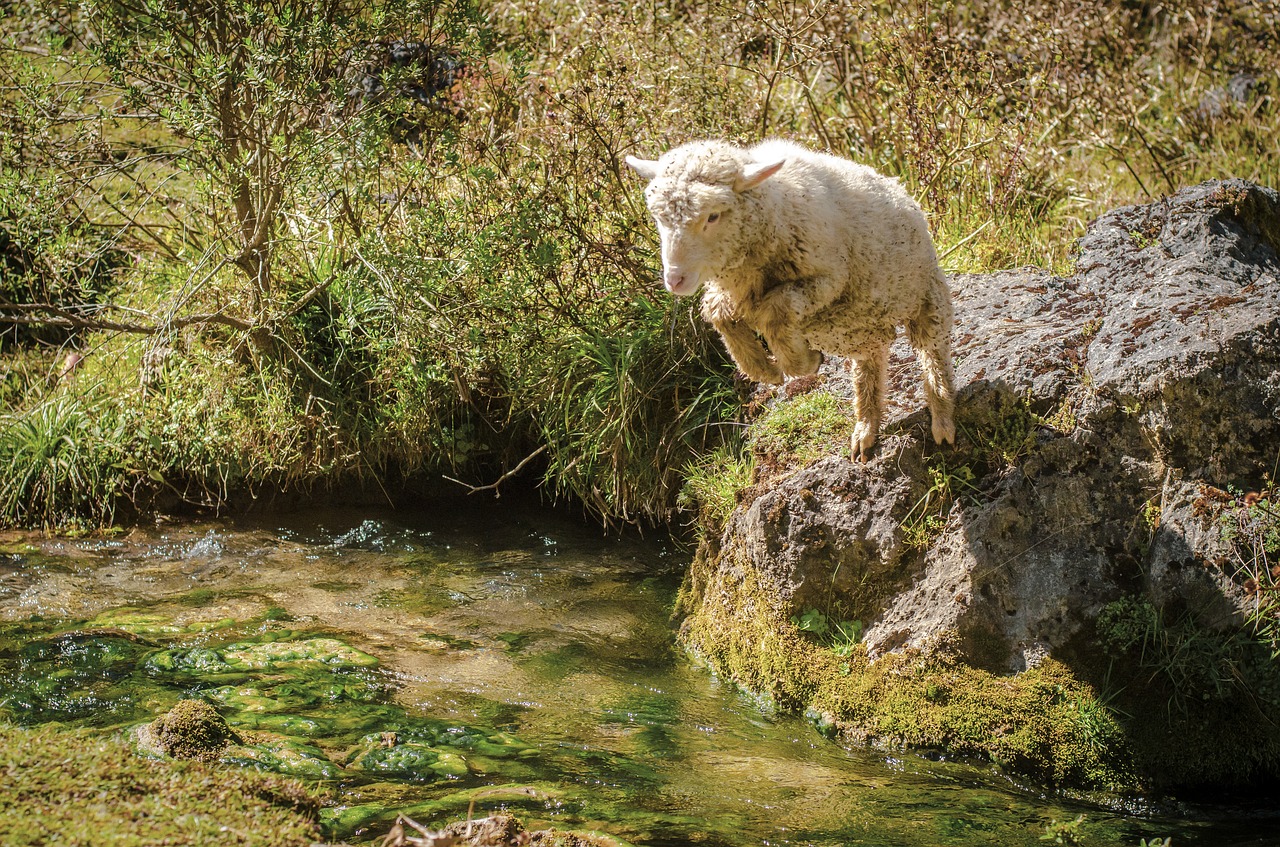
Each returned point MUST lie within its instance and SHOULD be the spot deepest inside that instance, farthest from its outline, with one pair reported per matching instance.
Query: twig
(62, 317)
(397, 838)
(493, 486)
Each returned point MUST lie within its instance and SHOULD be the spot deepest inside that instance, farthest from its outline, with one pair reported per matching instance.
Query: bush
(387, 241)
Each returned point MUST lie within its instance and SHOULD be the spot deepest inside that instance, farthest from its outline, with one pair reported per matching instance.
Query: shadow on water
(511, 657)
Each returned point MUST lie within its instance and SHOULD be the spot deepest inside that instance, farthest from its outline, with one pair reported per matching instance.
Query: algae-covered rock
(246, 657)
(430, 750)
(275, 654)
(409, 759)
(390, 754)
(192, 729)
(1103, 417)
(283, 756)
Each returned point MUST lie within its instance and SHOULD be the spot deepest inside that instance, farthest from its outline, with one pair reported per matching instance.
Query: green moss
(1045, 723)
(107, 794)
(192, 729)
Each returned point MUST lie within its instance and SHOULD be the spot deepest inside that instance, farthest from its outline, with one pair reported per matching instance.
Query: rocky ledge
(1103, 519)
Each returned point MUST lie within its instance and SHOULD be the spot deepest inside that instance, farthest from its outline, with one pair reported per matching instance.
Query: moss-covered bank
(81, 788)
(1045, 723)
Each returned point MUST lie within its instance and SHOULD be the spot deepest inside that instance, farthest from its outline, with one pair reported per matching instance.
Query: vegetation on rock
(192, 729)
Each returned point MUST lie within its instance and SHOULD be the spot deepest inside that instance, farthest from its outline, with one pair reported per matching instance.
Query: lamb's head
(697, 194)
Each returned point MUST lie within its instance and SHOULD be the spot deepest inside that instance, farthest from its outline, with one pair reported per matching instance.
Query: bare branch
(29, 314)
(493, 486)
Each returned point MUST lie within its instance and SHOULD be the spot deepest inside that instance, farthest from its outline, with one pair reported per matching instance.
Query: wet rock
(1095, 413)
(192, 729)
(283, 756)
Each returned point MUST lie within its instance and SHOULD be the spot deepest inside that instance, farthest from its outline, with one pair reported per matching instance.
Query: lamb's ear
(754, 174)
(647, 168)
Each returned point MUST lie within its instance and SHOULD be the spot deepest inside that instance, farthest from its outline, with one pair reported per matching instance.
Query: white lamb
(816, 254)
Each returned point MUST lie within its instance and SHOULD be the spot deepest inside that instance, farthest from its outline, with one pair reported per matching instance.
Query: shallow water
(503, 656)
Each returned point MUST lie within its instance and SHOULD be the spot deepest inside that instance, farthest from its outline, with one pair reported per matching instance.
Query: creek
(506, 656)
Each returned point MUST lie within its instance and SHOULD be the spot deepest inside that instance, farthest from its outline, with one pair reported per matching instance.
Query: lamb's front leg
(781, 311)
(747, 352)
(740, 340)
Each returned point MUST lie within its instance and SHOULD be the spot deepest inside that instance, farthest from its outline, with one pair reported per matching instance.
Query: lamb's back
(844, 218)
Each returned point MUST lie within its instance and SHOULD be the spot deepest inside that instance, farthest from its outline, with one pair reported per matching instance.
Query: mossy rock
(192, 729)
(1045, 722)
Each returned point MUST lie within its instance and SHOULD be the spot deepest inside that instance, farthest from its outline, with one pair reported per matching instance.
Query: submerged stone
(246, 657)
(408, 760)
(283, 756)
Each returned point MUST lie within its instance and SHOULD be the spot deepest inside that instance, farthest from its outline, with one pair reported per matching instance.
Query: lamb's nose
(673, 279)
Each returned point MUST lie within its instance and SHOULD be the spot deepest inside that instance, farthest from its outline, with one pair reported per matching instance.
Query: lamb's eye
(713, 217)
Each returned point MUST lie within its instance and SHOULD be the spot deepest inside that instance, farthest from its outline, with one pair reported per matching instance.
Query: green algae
(137, 621)
(276, 652)
(284, 756)
(426, 750)
(82, 675)
(296, 703)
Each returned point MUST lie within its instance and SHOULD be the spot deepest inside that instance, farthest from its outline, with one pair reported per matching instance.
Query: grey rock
(1151, 375)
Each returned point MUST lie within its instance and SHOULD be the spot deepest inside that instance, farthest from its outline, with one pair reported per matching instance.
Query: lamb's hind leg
(870, 384)
(930, 335)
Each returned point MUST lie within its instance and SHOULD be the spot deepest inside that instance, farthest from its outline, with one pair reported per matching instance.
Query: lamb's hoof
(944, 431)
(864, 438)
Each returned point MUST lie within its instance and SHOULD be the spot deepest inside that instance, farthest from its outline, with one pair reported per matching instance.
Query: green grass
(800, 431)
(713, 483)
